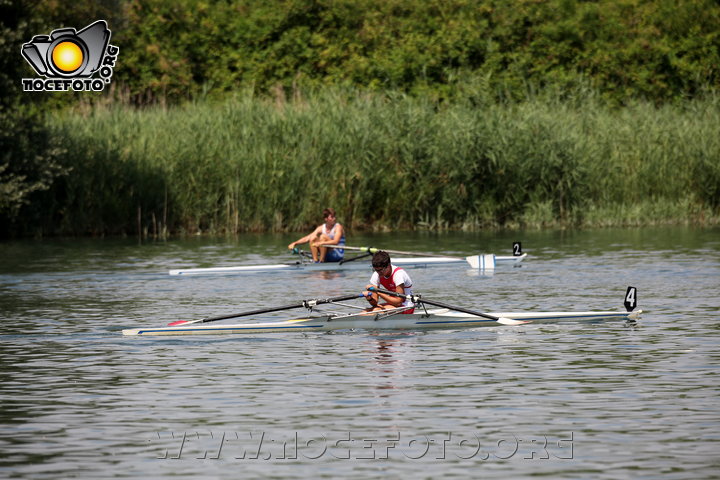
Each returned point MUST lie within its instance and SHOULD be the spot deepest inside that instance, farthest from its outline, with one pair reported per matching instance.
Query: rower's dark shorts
(334, 255)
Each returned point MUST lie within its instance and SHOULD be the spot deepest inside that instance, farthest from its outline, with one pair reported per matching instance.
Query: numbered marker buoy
(631, 299)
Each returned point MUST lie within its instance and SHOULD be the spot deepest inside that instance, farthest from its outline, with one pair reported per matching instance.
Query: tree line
(447, 52)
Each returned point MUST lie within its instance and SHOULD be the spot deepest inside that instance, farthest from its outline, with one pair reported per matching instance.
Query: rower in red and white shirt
(391, 278)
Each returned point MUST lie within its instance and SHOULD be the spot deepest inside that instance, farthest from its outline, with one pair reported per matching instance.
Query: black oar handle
(252, 312)
(358, 257)
(303, 304)
(460, 309)
(418, 299)
(412, 298)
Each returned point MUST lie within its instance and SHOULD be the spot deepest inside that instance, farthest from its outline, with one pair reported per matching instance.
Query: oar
(473, 260)
(358, 257)
(303, 304)
(418, 299)
(396, 252)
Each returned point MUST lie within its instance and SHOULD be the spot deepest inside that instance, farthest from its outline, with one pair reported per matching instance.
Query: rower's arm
(392, 300)
(372, 296)
(304, 239)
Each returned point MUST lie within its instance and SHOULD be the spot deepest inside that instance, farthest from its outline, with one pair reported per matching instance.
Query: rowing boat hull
(482, 262)
(432, 320)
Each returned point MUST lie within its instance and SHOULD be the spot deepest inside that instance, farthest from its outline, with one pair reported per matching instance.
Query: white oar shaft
(483, 262)
(418, 299)
(396, 252)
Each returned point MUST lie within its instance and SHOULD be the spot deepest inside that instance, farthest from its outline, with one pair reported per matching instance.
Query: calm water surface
(599, 400)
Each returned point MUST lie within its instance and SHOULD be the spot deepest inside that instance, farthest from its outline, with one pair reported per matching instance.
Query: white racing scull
(450, 317)
(479, 262)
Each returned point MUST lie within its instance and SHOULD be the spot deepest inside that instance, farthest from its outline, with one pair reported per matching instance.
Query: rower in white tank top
(329, 233)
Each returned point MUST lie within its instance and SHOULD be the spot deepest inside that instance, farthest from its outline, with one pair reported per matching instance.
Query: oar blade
(510, 321)
(482, 262)
(179, 322)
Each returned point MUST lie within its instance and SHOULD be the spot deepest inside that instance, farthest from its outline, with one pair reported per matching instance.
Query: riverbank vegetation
(385, 161)
(226, 117)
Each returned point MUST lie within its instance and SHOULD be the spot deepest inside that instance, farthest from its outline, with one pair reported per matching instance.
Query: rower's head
(329, 215)
(381, 261)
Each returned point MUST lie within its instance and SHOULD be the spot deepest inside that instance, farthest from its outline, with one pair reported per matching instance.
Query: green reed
(384, 161)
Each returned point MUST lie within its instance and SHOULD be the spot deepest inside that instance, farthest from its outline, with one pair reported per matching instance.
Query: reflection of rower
(394, 279)
(386, 366)
(329, 233)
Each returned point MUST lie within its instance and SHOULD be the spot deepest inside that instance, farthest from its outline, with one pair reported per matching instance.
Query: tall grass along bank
(382, 161)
